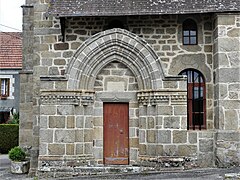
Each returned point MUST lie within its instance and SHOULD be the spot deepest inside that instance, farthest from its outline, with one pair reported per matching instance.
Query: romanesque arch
(114, 45)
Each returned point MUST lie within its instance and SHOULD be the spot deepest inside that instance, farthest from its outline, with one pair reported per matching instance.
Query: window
(196, 99)
(189, 32)
(115, 24)
(5, 87)
(4, 117)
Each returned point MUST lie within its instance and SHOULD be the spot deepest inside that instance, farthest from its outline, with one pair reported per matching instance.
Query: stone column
(226, 87)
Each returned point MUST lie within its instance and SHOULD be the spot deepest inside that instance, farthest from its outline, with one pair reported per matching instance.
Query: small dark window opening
(196, 99)
(189, 32)
(115, 24)
(4, 117)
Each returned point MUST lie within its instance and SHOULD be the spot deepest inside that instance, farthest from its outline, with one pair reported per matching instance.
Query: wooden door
(116, 133)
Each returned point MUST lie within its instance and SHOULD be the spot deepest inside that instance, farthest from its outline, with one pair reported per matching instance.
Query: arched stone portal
(107, 46)
(150, 104)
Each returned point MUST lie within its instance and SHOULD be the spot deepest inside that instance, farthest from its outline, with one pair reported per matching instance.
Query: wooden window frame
(189, 27)
(200, 88)
(6, 87)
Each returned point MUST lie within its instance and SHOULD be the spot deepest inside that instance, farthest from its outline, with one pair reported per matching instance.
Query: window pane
(189, 76)
(184, 73)
(198, 119)
(4, 86)
(198, 105)
(193, 40)
(186, 40)
(193, 33)
(196, 93)
(186, 33)
(196, 77)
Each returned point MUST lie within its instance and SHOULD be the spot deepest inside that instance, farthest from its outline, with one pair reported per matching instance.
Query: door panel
(116, 133)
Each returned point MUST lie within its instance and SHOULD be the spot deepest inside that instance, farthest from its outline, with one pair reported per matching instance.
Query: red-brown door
(116, 144)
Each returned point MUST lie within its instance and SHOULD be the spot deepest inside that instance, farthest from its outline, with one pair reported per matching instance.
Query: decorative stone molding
(115, 45)
(162, 96)
(87, 99)
(178, 99)
(67, 97)
(60, 99)
(116, 96)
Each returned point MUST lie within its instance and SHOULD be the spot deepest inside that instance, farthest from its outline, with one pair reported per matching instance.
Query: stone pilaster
(26, 86)
(226, 87)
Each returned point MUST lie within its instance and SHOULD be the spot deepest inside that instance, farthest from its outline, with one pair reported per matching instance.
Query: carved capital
(161, 96)
(67, 98)
(60, 99)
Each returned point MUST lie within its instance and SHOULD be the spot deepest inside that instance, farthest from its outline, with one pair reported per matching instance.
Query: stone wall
(227, 86)
(163, 33)
(64, 86)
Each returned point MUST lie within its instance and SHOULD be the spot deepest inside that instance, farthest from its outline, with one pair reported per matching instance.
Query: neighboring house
(134, 83)
(10, 66)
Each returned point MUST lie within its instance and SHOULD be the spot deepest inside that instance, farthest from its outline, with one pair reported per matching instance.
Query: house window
(189, 32)
(4, 117)
(196, 99)
(5, 83)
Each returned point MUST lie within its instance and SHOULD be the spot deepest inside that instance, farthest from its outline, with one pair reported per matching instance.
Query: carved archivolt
(114, 45)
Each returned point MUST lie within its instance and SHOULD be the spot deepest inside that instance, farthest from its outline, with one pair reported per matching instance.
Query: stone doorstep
(232, 176)
(121, 170)
(146, 165)
(93, 171)
(163, 162)
(108, 170)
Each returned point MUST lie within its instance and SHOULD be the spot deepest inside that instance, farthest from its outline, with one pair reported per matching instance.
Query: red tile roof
(10, 50)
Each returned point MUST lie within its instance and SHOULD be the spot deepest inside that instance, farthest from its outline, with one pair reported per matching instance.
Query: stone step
(110, 170)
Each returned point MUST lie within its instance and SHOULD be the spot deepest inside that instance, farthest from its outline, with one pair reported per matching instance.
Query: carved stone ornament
(67, 98)
(157, 97)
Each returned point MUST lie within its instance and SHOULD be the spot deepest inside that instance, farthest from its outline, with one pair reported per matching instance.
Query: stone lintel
(175, 78)
(26, 72)
(53, 78)
(116, 96)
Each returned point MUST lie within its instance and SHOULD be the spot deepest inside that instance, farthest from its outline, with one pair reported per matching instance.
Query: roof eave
(89, 14)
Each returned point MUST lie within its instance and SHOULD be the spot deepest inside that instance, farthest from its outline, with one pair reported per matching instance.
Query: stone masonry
(65, 84)
(227, 82)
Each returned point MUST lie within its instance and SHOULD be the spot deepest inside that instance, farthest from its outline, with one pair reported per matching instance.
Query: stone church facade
(130, 84)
